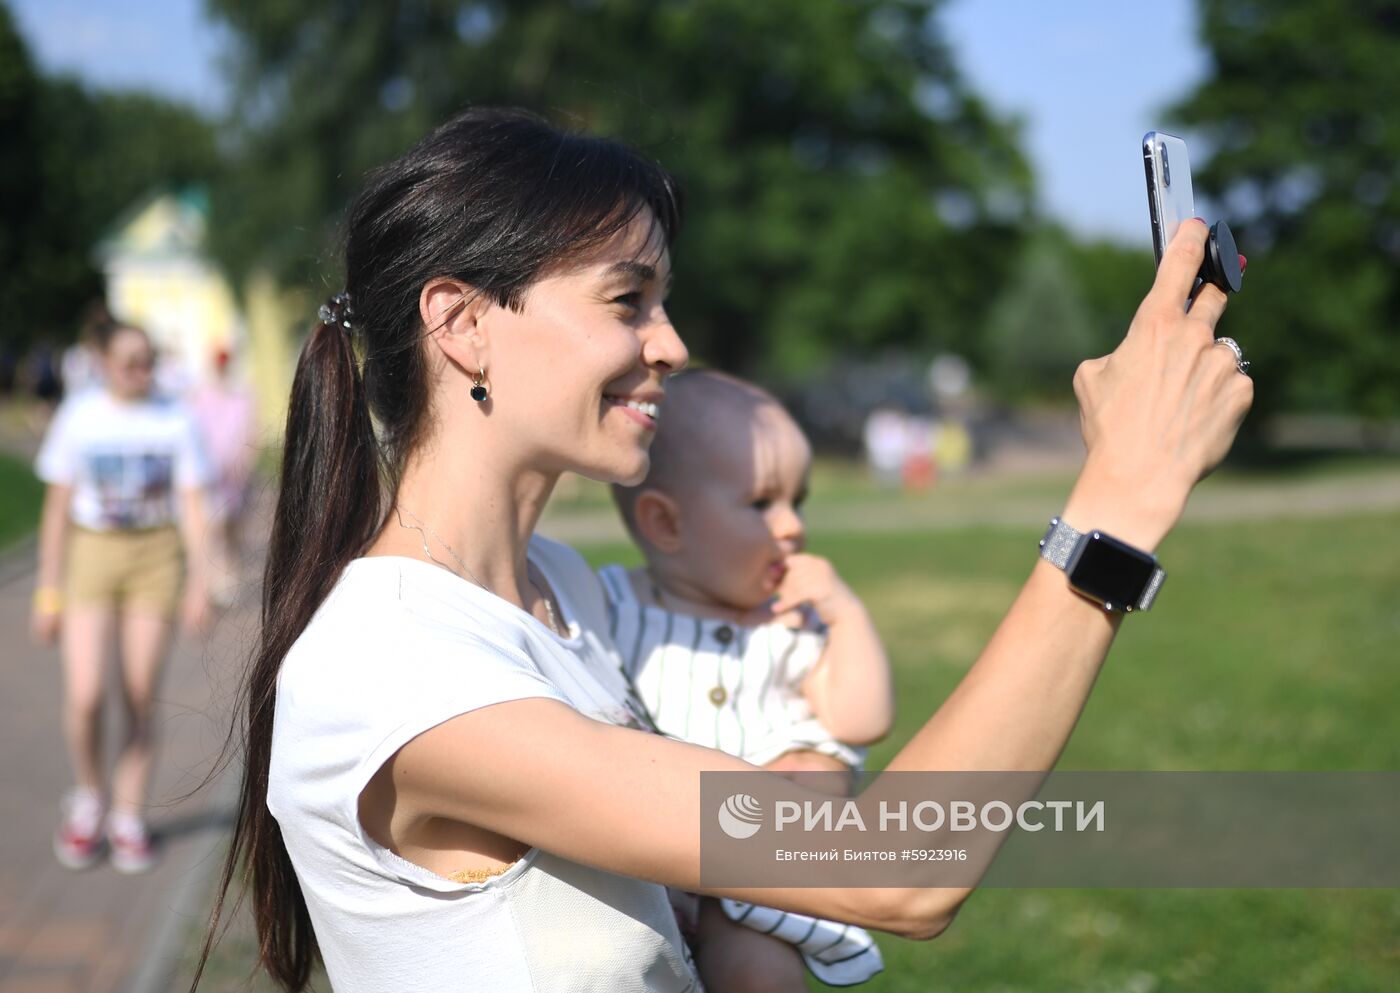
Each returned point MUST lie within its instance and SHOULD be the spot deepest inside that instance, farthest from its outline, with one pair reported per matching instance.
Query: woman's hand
(196, 611)
(1160, 411)
(46, 613)
(44, 625)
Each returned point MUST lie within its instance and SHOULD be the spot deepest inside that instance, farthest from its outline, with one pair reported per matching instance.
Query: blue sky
(1085, 77)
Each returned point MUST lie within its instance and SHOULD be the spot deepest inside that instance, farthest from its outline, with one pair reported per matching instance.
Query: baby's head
(720, 508)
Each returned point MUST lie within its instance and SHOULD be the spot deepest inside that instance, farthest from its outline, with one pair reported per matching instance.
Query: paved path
(99, 931)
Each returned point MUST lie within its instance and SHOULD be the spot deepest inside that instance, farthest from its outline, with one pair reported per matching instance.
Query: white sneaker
(78, 844)
(132, 851)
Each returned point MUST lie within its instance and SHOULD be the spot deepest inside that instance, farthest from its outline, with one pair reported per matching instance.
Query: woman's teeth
(650, 409)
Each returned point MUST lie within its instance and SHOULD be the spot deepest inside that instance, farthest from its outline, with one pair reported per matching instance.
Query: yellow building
(158, 276)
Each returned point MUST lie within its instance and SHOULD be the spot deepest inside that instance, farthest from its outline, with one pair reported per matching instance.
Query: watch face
(1109, 571)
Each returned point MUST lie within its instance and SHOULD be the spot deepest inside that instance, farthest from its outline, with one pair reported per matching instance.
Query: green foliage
(848, 192)
(1302, 125)
(19, 173)
(73, 161)
(1039, 329)
(1066, 301)
(21, 495)
(1111, 280)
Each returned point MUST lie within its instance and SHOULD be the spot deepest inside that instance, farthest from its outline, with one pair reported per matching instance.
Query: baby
(737, 639)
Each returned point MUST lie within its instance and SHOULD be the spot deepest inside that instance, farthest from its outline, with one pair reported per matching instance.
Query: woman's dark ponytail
(328, 510)
(493, 198)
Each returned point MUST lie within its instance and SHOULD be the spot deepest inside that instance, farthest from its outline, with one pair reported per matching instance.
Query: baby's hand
(811, 579)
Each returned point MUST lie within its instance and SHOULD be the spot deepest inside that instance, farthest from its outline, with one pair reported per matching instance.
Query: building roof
(165, 225)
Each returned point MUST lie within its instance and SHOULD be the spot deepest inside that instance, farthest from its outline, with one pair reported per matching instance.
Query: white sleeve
(447, 687)
(192, 468)
(345, 707)
(57, 462)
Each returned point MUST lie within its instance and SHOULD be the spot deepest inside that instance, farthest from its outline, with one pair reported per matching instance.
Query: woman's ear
(658, 521)
(451, 312)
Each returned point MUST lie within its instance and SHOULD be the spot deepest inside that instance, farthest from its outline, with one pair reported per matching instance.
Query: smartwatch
(1110, 572)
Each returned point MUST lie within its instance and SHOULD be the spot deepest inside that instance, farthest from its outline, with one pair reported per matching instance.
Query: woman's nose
(662, 348)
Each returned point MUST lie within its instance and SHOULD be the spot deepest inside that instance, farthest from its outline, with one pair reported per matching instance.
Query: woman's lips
(645, 420)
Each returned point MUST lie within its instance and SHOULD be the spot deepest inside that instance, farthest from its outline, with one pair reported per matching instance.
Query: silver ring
(1241, 363)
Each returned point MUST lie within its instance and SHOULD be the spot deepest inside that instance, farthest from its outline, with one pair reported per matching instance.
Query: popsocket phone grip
(1222, 264)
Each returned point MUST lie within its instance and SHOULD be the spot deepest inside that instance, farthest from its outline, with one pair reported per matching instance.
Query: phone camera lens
(1166, 166)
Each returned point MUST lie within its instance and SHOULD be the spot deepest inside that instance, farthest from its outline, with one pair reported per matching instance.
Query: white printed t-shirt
(398, 647)
(125, 460)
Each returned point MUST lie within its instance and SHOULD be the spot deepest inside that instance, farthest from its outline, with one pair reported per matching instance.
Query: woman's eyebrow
(639, 270)
(631, 268)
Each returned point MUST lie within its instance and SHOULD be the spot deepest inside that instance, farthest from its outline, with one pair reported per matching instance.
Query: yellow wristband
(48, 600)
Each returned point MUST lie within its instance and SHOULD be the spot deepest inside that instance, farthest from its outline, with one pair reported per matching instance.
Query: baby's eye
(801, 499)
(762, 503)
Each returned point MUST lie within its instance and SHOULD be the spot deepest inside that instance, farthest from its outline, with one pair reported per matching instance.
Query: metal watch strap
(1059, 543)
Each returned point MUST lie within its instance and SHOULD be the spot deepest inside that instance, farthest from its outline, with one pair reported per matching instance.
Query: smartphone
(1169, 197)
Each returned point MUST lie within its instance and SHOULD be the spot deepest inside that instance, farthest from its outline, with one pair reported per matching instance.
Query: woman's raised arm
(1158, 414)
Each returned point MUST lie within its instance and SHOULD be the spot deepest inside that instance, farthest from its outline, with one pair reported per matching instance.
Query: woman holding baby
(451, 780)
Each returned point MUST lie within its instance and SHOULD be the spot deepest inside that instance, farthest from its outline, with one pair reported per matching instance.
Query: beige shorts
(142, 568)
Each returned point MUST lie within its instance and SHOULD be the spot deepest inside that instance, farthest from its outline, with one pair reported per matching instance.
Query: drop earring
(478, 390)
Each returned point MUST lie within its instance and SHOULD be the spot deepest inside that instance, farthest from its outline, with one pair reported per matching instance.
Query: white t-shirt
(124, 460)
(722, 685)
(400, 646)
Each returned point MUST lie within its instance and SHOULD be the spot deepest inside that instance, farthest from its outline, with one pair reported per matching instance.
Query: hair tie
(337, 310)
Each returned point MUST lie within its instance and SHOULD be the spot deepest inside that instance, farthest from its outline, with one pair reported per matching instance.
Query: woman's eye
(631, 300)
(763, 503)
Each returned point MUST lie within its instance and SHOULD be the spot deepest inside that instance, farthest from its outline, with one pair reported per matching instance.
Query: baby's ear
(658, 521)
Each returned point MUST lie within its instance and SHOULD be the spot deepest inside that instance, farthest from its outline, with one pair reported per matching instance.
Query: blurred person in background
(172, 373)
(82, 360)
(117, 461)
(223, 408)
(885, 437)
(45, 383)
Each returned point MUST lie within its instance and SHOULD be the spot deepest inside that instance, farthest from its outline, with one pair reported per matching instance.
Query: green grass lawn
(1273, 646)
(21, 494)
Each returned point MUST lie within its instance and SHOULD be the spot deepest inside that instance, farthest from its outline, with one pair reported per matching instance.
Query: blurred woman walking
(111, 559)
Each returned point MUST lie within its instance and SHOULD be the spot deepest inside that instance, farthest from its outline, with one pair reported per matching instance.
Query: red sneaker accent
(132, 851)
(78, 842)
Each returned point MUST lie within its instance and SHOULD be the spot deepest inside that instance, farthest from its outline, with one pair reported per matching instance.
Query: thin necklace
(548, 601)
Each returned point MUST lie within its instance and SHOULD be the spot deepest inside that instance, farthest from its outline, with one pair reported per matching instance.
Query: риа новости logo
(740, 816)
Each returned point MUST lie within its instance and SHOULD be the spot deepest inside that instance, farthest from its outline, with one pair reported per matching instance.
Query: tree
(1040, 329)
(19, 176)
(73, 161)
(1301, 121)
(847, 191)
(1110, 279)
